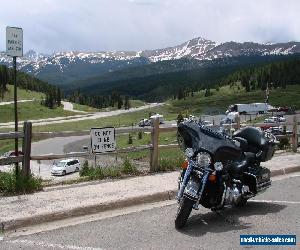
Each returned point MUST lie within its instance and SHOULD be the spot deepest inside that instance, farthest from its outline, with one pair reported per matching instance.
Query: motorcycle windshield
(200, 137)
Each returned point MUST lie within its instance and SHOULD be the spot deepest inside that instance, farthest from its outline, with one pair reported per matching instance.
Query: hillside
(24, 81)
(221, 98)
(23, 94)
(151, 83)
(31, 111)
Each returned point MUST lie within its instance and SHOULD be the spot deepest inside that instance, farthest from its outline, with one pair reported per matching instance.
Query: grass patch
(136, 103)
(170, 159)
(84, 108)
(30, 111)
(133, 104)
(99, 173)
(22, 94)
(7, 145)
(9, 185)
(128, 168)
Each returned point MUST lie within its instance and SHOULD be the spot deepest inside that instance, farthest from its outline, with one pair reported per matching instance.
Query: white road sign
(14, 41)
(103, 140)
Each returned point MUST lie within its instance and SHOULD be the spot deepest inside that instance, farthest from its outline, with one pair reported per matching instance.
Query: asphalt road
(274, 212)
(82, 117)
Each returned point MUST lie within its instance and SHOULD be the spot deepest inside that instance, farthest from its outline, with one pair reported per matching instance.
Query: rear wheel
(184, 209)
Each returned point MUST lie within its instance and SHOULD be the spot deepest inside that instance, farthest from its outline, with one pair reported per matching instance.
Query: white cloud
(93, 25)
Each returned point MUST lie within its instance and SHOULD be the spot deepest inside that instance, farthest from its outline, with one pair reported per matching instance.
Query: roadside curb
(112, 205)
(285, 171)
(85, 210)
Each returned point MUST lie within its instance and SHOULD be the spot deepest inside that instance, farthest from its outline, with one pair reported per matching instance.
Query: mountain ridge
(62, 68)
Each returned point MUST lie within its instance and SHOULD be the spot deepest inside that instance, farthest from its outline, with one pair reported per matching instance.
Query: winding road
(82, 117)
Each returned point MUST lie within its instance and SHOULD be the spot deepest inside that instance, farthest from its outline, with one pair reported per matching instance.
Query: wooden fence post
(26, 149)
(238, 122)
(154, 140)
(295, 135)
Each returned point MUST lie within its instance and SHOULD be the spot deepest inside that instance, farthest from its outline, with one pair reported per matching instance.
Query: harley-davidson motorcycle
(221, 170)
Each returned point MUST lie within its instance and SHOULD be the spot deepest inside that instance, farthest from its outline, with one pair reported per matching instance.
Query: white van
(65, 166)
(160, 118)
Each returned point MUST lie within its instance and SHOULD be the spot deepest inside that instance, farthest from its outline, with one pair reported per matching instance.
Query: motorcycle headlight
(203, 159)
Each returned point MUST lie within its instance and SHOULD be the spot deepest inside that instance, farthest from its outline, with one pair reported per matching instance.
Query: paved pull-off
(274, 212)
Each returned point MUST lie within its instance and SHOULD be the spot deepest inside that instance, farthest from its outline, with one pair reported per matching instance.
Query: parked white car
(269, 120)
(65, 167)
(207, 123)
(144, 122)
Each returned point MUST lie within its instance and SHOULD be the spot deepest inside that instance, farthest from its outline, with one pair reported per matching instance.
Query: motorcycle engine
(234, 194)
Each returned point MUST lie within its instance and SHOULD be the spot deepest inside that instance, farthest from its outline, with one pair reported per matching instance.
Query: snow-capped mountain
(64, 67)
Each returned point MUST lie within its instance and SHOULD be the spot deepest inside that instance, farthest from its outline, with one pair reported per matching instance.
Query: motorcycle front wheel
(184, 209)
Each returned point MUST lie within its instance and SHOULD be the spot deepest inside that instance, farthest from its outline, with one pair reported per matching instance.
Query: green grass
(99, 173)
(84, 108)
(164, 138)
(22, 94)
(9, 185)
(136, 103)
(133, 103)
(7, 145)
(30, 111)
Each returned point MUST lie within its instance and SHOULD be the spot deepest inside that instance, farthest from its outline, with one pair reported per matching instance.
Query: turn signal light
(184, 165)
(212, 178)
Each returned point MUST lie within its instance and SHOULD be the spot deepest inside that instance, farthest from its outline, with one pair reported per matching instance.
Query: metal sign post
(103, 140)
(14, 48)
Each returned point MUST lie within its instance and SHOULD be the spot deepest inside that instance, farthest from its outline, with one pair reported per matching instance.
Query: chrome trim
(254, 177)
(184, 181)
(263, 186)
(204, 180)
(260, 187)
(223, 197)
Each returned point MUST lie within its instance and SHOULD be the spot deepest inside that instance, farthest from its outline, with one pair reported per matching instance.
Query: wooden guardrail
(154, 147)
(26, 135)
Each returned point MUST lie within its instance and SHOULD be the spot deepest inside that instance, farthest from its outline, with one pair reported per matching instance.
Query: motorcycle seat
(253, 136)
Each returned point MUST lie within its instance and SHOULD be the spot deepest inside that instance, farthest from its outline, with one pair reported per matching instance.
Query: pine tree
(58, 97)
(127, 103)
(120, 103)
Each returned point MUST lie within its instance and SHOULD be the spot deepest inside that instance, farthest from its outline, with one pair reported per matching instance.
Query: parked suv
(65, 166)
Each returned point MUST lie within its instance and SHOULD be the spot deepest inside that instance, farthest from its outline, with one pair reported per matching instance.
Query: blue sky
(99, 25)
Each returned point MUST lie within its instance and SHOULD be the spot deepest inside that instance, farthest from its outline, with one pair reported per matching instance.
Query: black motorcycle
(221, 171)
